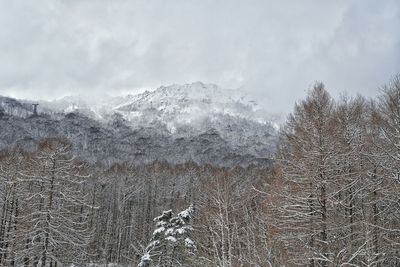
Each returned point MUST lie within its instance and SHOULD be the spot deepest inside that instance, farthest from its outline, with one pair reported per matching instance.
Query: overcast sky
(272, 50)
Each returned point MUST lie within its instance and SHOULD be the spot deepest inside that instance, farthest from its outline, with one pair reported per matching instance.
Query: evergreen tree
(171, 243)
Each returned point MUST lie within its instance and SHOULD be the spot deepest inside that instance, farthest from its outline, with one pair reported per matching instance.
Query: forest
(331, 197)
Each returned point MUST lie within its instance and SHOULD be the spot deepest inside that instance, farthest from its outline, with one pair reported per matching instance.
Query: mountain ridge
(178, 123)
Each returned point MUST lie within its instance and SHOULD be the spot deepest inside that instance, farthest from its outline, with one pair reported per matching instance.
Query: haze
(271, 50)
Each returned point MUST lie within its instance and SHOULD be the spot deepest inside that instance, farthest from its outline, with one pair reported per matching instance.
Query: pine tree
(171, 242)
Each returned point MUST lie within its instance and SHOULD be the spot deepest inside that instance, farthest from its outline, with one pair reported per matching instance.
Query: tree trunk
(48, 217)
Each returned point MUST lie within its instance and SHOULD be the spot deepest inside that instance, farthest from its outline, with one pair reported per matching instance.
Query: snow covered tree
(385, 154)
(11, 195)
(355, 188)
(171, 243)
(337, 202)
(56, 212)
(307, 160)
(230, 230)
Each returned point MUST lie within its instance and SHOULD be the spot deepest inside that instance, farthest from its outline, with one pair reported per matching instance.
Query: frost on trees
(171, 244)
(56, 217)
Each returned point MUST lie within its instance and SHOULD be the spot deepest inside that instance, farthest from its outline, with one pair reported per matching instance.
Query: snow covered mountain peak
(191, 101)
(197, 91)
(197, 121)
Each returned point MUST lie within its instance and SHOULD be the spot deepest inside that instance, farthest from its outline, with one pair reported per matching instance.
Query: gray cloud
(272, 50)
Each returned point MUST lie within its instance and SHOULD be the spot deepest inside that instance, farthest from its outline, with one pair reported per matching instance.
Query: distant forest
(330, 198)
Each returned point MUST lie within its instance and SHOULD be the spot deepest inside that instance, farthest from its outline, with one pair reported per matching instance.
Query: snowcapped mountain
(187, 104)
(193, 122)
(170, 98)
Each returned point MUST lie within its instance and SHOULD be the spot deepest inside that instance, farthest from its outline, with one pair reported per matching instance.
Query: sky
(273, 51)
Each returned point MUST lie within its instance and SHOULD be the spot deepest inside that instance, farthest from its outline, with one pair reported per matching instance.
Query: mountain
(178, 123)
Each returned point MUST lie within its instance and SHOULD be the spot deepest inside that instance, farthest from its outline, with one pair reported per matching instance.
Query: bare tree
(55, 223)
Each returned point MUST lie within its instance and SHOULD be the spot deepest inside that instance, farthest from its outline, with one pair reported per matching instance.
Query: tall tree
(56, 224)
(307, 160)
(387, 156)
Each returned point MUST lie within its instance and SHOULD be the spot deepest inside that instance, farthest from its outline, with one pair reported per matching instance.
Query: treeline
(335, 199)
(332, 198)
(58, 211)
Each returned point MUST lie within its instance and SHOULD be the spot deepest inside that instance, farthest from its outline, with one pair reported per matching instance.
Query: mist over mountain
(112, 155)
(179, 123)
